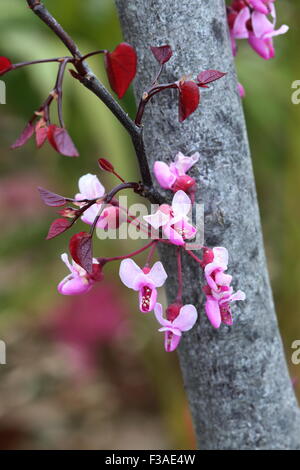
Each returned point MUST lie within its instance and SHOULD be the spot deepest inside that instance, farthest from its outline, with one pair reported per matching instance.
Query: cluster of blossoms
(176, 230)
(254, 20)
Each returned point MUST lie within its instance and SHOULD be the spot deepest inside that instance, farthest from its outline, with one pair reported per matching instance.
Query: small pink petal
(241, 90)
(173, 235)
(157, 274)
(187, 318)
(212, 310)
(164, 175)
(240, 30)
(90, 187)
(158, 312)
(129, 271)
(223, 279)
(74, 286)
(171, 341)
(181, 204)
(260, 6)
(183, 163)
(90, 214)
(263, 47)
(157, 220)
(220, 256)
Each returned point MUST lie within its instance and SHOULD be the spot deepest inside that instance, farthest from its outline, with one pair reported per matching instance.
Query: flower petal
(212, 310)
(164, 175)
(147, 302)
(220, 257)
(157, 274)
(65, 259)
(158, 312)
(129, 271)
(173, 235)
(263, 47)
(183, 163)
(260, 6)
(90, 187)
(181, 204)
(74, 285)
(157, 219)
(171, 341)
(260, 24)
(187, 318)
(90, 214)
(240, 30)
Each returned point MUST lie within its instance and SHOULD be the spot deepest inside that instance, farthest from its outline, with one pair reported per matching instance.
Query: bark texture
(236, 377)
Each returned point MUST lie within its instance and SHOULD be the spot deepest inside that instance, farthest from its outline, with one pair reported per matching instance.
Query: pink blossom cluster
(174, 221)
(254, 20)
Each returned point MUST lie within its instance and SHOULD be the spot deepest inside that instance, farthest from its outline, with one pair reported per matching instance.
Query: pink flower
(263, 30)
(174, 176)
(144, 281)
(241, 90)
(91, 188)
(255, 26)
(218, 310)
(179, 319)
(218, 290)
(79, 281)
(174, 219)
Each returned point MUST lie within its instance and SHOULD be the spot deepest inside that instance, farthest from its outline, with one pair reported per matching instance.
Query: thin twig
(89, 80)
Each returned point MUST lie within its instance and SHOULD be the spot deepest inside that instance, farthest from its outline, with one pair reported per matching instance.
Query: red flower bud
(172, 311)
(184, 182)
(208, 256)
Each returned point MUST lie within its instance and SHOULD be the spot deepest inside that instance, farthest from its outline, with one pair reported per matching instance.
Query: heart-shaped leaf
(50, 198)
(26, 134)
(57, 227)
(81, 250)
(5, 65)
(189, 99)
(121, 67)
(41, 134)
(209, 76)
(162, 53)
(61, 141)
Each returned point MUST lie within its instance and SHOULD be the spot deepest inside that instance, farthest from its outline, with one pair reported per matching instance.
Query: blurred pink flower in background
(87, 323)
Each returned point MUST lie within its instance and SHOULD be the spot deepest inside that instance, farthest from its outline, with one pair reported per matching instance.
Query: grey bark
(236, 378)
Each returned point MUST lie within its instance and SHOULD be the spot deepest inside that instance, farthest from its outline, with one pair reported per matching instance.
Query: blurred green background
(83, 372)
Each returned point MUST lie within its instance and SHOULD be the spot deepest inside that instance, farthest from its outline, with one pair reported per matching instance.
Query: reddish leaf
(51, 199)
(5, 65)
(41, 134)
(26, 134)
(209, 76)
(105, 165)
(81, 250)
(121, 67)
(57, 227)
(61, 141)
(162, 54)
(189, 98)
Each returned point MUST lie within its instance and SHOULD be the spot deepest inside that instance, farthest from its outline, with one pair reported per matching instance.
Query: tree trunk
(236, 378)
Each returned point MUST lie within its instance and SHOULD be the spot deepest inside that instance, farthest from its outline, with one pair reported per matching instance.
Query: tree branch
(90, 81)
